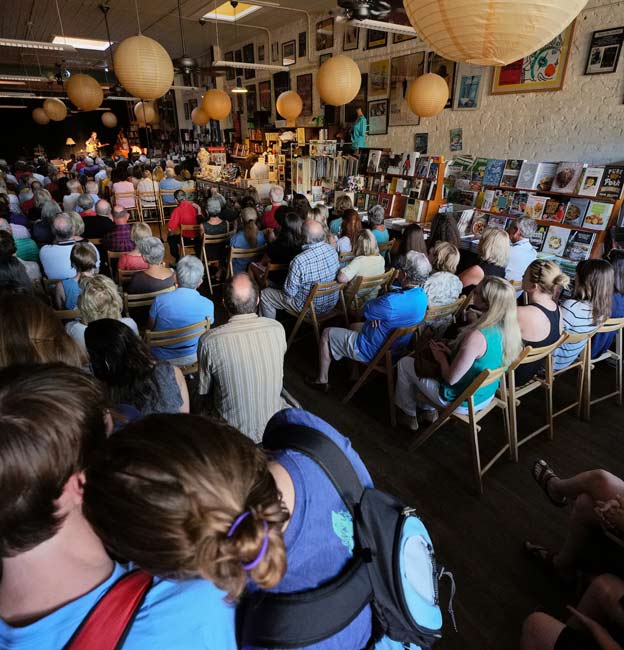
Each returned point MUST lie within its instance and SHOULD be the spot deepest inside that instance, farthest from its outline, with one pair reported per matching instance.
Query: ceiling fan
(365, 9)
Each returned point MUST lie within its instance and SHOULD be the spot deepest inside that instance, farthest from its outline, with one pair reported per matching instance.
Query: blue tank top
(72, 291)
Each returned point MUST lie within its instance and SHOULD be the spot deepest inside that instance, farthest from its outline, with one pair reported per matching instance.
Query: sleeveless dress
(72, 291)
(525, 373)
(489, 269)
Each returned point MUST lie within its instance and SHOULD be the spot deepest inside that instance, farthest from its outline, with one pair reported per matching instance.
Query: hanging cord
(58, 12)
(181, 28)
(136, 7)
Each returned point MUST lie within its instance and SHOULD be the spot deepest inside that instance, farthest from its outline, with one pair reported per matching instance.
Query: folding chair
(582, 364)
(517, 285)
(190, 232)
(214, 240)
(113, 255)
(272, 268)
(124, 276)
(362, 287)
(473, 418)
(531, 355)
(385, 363)
(450, 311)
(319, 290)
(164, 206)
(67, 314)
(386, 247)
(150, 210)
(163, 338)
(96, 241)
(133, 211)
(345, 258)
(136, 300)
(250, 254)
(610, 325)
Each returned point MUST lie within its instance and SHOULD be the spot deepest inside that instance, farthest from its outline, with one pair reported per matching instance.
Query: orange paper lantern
(289, 105)
(109, 120)
(145, 112)
(40, 116)
(216, 104)
(55, 109)
(84, 92)
(199, 116)
(427, 95)
(338, 80)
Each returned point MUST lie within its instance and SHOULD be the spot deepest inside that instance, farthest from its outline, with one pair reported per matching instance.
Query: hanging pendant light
(239, 87)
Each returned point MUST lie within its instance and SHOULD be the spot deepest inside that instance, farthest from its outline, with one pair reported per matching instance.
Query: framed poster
(604, 51)
(403, 69)
(289, 53)
(400, 38)
(264, 96)
(543, 70)
(248, 57)
(238, 56)
(303, 44)
(375, 38)
(261, 53)
(252, 106)
(469, 83)
(350, 38)
(421, 143)
(281, 83)
(324, 58)
(274, 52)
(230, 73)
(446, 69)
(359, 100)
(456, 139)
(378, 117)
(325, 34)
(304, 89)
(378, 78)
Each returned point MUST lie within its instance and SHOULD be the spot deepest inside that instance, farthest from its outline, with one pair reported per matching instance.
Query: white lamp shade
(338, 80)
(143, 67)
(40, 116)
(84, 92)
(427, 95)
(216, 104)
(144, 112)
(490, 32)
(199, 116)
(55, 109)
(289, 105)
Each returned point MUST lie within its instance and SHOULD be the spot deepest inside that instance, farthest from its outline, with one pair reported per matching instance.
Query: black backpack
(393, 567)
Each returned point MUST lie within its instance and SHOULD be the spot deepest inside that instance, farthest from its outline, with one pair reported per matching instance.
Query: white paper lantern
(338, 80)
(490, 32)
(289, 105)
(55, 109)
(84, 92)
(40, 116)
(427, 95)
(144, 112)
(143, 67)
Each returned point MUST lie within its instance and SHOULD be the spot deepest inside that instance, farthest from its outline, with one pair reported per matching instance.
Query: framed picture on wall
(230, 73)
(252, 106)
(303, 44)
(289, 53)
(359, 100)
(540, 71)
(403, 70)
(469, 83)
(304, 89)
(445, 69)
(281, 83)
(261, 53)
(264, 95)
(274, 52)
(378, 117)
(400, 38)
(238, 56)
(248, 57)
(375, 39)
(604, 51)
(350, 38)
(324, 58)
(325, 34)
(378, 78)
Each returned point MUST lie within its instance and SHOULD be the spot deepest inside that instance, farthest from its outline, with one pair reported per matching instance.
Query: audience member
(8, 250)
(412, 239)
(120, 238)
(318, 262)
(74, 189)
(25, 247)
(351, 227)
(588, 308)
(158, 275)
(185, 214)
(367, 263)
(276, 195)
(84, 205)
(376, 222)
(521, 252)
(188, 184)
(247, 236)
(181, 308)
(444, 228)
(214, 224)
(241, 363)
(123, 189)
(443, 287)
(13, 275)
(341, 204)
(492, 341)
(83, 260)
(42, 229)
(147, 190)
(301, 205)
(168, 186)
(100, 224)
(493, 255)
(55, 258)
(603, 341)
(133, 261)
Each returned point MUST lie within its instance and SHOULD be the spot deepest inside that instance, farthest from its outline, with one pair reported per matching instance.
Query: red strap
(106, 625)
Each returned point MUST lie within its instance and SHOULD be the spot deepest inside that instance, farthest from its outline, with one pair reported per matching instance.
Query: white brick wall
(584, 121)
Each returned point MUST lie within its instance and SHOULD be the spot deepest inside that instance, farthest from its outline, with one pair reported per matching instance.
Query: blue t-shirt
(240, 241)
(395, 309)
(72, 291)
(184, 615)
(335, 225)
(176, 309)
(602, 342)
(382, 236)
(319, 537)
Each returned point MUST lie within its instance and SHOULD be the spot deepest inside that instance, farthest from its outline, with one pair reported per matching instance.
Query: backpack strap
(323, 451)
(108, 622)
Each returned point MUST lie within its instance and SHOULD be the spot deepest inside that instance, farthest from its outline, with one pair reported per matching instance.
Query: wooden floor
(478, 538)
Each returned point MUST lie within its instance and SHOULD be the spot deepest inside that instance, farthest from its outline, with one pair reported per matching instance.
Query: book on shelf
(384, 162)
(576, 211)
(502, 201)
(361, 201)
(500, 223)
(413, 210)
(376, 183)
(393, 185)
(479, 223)
(598, 215)
(590, 181)
(385, 201)
(373, 200)
(528, 174)
(612, 182)
(462, 197)
(422, 170)
(478, 170)
(554, 210)
(374, 157)
(409, 161)
(494, 171)
(544, 177)
(538, 237)
(464, 221)
(511, 173)
(394, 163)
(434, 168)
(417, 187)
(579, 245)
(518, 204)
(534, 207)
(556, 240)
(397, 209)
(403, 186)
(568, 177)
(487, 200)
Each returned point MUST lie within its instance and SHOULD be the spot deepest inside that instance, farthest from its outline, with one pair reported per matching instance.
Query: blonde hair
(547, 276)
(320, 214)
(77, 222)
(343, 202)
(366, 244)
(444, 257)
(502, 312)
(494, 247)
(99, 299)
(140, 230)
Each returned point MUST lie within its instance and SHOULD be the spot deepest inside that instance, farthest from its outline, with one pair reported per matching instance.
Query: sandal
(311, 381)
(543, 474)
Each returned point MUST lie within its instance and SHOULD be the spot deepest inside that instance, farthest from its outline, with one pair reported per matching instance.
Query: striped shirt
(243, 363)
(577, 319)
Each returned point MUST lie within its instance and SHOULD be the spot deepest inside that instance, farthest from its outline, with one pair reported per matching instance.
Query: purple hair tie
(265, 544)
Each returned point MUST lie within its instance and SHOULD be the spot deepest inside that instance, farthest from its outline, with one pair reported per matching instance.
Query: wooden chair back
(163, 338)
(135, 300)
(96, 241)
(361, 284)
(530, 354)
(249, 254)
(124, 196)
(345, 258)
(124, 276)
(443, 311)
(386, 247)
(67, 314)
(212, 240)
(611, 325)
(189, 231)
(164, 205)
(272, 268)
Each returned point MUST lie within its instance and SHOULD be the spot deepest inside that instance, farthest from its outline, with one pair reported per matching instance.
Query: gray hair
(5, 225)
(276, 194)
(152, 249)
(62, 227)
(312, 232)
(189, 271)
(74, 186)
(85, 201)
(417, 268)
(78, 224)
(526, 226)
(41, 196)
(103, 208)
(376, 215)
(49, 210)
(213, 207)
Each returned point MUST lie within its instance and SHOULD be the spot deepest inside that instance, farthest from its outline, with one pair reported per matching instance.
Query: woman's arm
(59, 296)
(471, 276)
(181, 381)
(473, 347)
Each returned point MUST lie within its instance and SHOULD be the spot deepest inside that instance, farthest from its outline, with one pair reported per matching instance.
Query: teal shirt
(491, 360)
(27, 250)
(358, 136)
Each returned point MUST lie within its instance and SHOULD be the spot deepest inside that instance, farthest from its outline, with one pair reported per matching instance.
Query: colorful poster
(469, 87)
(456, 138)
(378, 117)
(378, 78)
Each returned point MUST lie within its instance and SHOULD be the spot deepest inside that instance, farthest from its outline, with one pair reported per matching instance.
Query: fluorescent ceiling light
(16, 78)
(12, 106)
(381, 26)
(81, 43)
(229, 14)
(8, 95)
(248, 66)
(35, 45)
(12, 83)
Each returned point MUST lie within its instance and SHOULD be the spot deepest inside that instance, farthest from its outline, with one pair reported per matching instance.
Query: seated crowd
(104, 453)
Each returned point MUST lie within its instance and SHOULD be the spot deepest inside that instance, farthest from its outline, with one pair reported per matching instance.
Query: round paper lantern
(40, 116)
(84, 92)
(490, 32)
(55, 109)
(144, 112)
(289, 105)
(216, 104)
(143, 67)
(199, 116)
(109, 120)
(427, 95)
(338, 80)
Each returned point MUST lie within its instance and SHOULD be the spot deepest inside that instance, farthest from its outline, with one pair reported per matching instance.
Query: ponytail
(250, 230)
